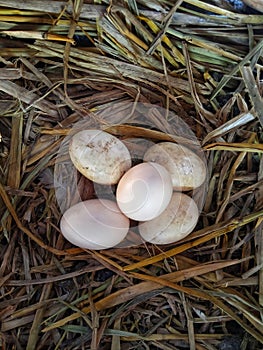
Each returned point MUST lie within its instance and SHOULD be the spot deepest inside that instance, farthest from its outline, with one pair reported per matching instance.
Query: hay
(61, 62)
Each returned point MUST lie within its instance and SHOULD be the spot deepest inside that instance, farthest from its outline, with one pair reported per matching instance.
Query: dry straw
(63, 61)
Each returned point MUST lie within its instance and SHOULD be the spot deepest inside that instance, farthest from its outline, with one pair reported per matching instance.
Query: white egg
(99, 156)
(187, 169)
(144, 191)
(94, 224)
(176, 221)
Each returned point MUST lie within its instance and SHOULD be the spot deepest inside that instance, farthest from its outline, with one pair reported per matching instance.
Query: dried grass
(62, 62)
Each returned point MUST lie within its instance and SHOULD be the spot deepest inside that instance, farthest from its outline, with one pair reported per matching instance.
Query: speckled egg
(99, 156)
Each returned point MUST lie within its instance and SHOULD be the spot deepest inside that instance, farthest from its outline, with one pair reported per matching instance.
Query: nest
(65, 62)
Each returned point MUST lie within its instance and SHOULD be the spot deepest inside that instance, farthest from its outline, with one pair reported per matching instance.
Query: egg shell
(94, 224)
(144, 191)
(187, 170)
(176, 222)
(99, 156)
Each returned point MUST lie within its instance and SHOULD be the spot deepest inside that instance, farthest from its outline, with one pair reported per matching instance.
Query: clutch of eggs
(144, 192)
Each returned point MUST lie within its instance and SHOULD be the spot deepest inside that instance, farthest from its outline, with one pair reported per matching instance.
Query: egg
(144, 191)
(99, 156)
(187, 170)
(176, 221)
(94, 224)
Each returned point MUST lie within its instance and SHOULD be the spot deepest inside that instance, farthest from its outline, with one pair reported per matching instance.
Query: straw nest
(62, 61)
